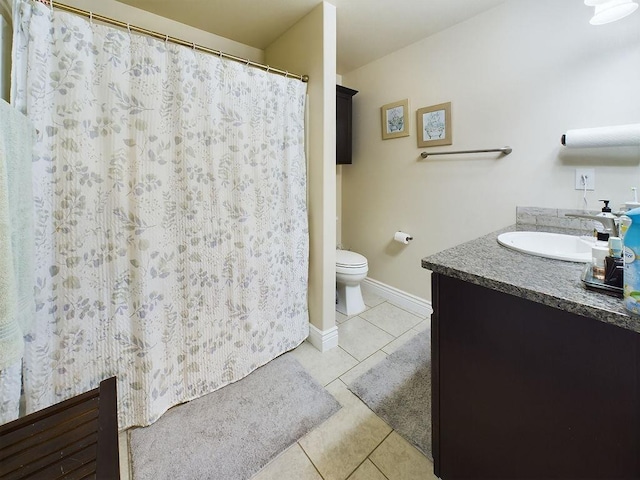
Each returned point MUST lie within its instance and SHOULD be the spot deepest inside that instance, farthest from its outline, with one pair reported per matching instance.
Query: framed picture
(434, 125)
(395, 119)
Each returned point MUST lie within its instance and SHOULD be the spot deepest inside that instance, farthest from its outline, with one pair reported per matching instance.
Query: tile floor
(353, 444)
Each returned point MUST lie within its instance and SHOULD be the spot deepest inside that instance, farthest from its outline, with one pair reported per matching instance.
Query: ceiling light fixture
(607, 11)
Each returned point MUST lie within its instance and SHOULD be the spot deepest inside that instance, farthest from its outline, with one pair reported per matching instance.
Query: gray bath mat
(232, 433)
(398, 390)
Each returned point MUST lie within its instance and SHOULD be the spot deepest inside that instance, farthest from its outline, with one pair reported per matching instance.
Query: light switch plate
(589, 176)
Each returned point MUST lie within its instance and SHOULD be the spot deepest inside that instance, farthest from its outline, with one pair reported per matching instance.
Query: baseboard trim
(407, 301)
(323, 340)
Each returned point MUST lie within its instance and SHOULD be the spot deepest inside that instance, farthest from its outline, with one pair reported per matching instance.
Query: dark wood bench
(74, 439)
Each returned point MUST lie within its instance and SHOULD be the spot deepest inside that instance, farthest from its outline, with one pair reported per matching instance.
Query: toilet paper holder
(402, 237)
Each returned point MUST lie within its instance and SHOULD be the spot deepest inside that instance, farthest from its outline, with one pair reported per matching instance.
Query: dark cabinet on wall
(343, 124)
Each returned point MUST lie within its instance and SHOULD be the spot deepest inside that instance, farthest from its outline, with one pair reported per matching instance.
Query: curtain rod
(167, 38)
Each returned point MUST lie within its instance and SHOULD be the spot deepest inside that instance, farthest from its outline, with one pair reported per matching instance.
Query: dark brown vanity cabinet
(524, 390)
(344, 97)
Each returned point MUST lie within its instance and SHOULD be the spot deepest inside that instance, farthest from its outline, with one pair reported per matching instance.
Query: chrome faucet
(609, 223)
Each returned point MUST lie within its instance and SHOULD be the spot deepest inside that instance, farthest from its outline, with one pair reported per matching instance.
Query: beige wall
(309, 47)
(519, 75)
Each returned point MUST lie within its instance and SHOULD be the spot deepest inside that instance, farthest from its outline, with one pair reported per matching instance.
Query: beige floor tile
(340, 444)
(325, 367)
(360, 338)
(371, 299)
(340, 317)
(398, 342)
(399, 460)
(391, 319)
(363, 367)
(367, 471)
(123, 450)
(293, 464)
(423, 325)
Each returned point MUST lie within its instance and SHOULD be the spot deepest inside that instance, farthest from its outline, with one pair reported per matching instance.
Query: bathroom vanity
(533, 376)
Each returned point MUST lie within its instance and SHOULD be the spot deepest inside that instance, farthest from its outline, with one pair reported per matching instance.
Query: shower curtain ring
(193, 45)
(166, 39)
(51, 4)
(129, 28)
(286, 74)
(91, 18)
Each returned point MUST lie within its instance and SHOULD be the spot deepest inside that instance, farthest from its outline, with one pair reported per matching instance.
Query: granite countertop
(554, 283)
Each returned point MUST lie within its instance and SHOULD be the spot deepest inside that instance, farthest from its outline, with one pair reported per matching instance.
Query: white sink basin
(549, 245)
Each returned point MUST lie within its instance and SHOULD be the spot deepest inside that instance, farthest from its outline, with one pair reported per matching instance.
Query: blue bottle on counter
(631, 239)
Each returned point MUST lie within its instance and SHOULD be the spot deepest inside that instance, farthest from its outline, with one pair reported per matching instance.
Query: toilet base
(350, 299)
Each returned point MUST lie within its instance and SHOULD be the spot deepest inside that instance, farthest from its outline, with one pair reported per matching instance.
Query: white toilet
(351, 269)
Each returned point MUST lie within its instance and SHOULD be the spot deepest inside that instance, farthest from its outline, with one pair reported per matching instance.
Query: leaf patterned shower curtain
(171, 221)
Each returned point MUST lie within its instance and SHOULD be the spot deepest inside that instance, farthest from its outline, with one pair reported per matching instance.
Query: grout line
(350, 356)
(383, 346)
(358, 398)
(367, 457)
(311, 461)
(381, 329)
(377, 446)
(365, 359)
(405, 311)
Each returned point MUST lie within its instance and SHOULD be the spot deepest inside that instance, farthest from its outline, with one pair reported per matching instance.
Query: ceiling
(367, 29)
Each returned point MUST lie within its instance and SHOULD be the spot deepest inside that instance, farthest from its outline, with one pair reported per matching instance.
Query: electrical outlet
(585, 176)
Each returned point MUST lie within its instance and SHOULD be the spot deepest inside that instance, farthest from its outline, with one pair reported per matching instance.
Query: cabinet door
(528, 391)
(344, 97)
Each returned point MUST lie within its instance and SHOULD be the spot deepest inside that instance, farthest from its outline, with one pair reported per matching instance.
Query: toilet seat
(350, 260)
(346, 271)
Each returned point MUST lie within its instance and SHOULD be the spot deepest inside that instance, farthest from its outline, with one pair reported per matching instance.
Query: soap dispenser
(601, 232)
(630, 233)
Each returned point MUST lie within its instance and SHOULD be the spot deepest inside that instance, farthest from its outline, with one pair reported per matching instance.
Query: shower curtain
(171, 222)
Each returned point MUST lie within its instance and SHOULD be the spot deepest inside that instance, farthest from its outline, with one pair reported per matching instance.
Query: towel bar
(503, 150)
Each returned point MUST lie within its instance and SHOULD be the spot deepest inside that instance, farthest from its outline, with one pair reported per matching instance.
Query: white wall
(520, 74)
(309, 47)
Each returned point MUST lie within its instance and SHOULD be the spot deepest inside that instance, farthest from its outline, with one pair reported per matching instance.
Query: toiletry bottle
(631, 242)
(606, 212)
(613, 263)
(633, 204)
(599, 253)
(600, 249)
